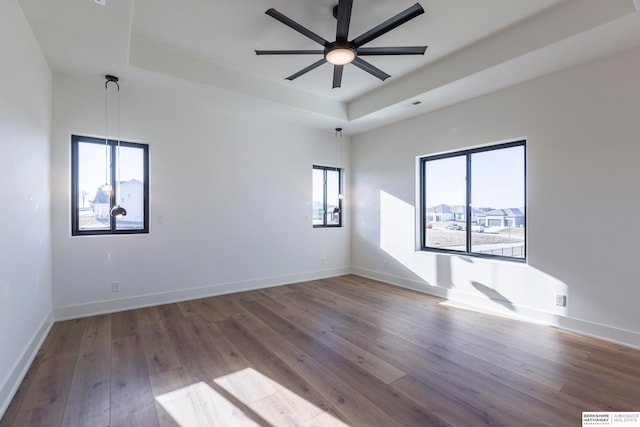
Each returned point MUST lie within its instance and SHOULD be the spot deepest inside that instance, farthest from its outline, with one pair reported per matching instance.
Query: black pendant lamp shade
(118, 211)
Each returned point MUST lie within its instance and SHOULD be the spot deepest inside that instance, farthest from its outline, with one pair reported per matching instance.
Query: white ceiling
(474, 47)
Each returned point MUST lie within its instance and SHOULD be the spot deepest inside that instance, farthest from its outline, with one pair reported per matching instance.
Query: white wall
(583, 177)
(25, 245)
(234, 191)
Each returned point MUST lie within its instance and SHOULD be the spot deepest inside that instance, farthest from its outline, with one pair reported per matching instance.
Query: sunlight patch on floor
(280, 408)
(198, 405)
(241, 398)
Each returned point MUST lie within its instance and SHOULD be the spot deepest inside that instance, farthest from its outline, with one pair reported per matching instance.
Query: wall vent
(417, 102)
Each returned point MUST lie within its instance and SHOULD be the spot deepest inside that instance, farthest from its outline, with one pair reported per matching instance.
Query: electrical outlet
(561, 300)
(115, 286)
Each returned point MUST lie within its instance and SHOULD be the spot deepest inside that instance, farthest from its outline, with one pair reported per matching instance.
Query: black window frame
(75, 190)
(325, 169)
(468, 206)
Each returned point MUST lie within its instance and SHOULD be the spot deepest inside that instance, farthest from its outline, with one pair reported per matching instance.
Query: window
(473, 202)
(92, 167)
(327, 196)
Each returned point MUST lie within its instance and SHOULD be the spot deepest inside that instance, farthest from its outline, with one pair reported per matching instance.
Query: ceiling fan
(342, 51)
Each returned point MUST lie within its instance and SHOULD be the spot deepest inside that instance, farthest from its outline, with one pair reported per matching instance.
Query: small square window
(98, 182)
(327, 196)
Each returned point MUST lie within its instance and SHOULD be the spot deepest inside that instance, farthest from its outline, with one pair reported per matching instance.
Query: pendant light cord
(338, 139)
(338, 146)
(106, 135)
(118, 160)
(109, 79)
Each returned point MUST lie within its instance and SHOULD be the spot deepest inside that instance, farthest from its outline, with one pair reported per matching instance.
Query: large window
(327, 197)
(95, 163)
(473, 201)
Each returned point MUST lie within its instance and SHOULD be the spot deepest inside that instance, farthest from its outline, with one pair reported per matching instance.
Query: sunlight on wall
(397, 236)
(398, 239)
(505, 287)
(220, 403)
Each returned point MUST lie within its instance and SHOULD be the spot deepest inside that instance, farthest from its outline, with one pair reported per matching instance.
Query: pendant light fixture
(106, 187)
(336, 210)
(117, 211)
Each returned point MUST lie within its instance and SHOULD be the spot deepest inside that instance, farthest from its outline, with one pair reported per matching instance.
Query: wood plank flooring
(333, 352)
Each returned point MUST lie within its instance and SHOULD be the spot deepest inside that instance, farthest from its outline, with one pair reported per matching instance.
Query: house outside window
(473, 202)
(327, 201)
(128, 186)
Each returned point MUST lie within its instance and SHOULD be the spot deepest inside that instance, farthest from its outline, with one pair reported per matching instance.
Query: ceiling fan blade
(374, 71)
(299, 28)
(337, 75)
(388, 25)
(306, 70)
(289, 52)
(344, 18)
(400, 50)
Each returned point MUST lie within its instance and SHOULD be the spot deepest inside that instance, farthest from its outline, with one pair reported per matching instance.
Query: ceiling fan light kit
(342, 51)
(339, 54)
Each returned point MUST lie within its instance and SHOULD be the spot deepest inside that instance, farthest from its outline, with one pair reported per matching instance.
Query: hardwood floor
(342, 351)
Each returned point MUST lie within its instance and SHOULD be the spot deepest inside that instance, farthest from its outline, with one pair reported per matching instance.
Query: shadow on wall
(494, 295)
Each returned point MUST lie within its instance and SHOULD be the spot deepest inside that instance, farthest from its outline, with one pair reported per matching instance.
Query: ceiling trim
(79, 37)
(151, 57)
(564, 22)
(575, 31)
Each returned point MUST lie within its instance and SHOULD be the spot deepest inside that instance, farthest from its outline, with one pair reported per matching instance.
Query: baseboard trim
(595, 330)
(584, 327)
(112, 306)
(22, 365)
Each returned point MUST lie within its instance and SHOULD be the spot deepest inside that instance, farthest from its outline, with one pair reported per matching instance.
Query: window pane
(445, 201)
(318, 196)
(93, 203)
(333, 202)
(326, 197)
(498, 200)
(130, 188)
(93, 162)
